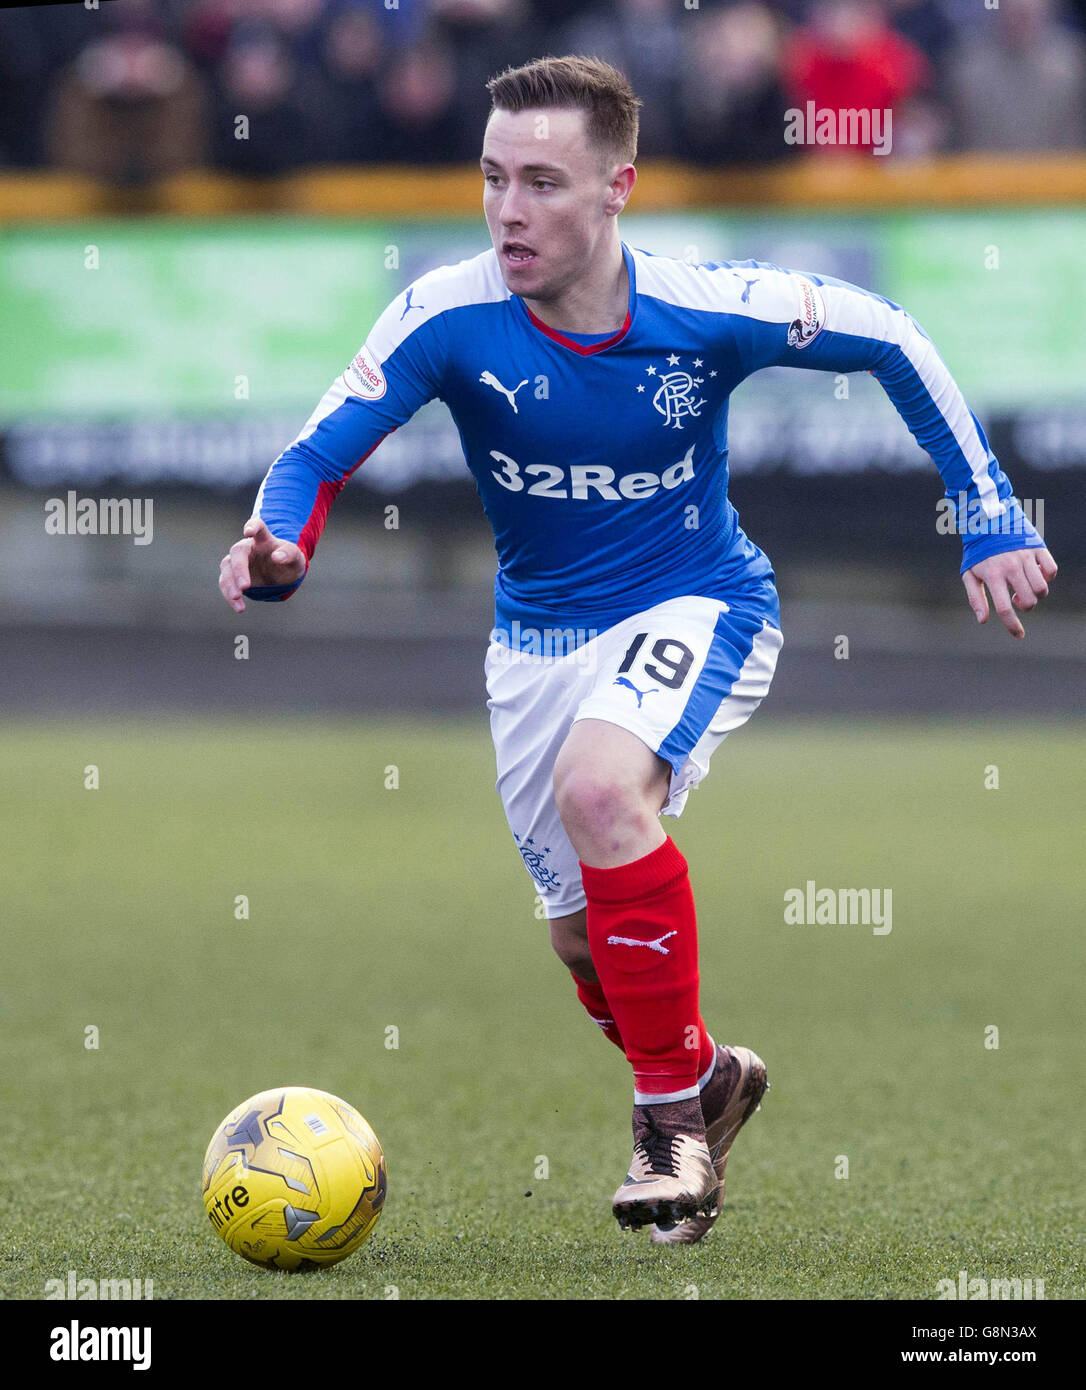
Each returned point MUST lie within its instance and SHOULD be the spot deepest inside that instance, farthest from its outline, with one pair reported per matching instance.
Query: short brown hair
(601, 91)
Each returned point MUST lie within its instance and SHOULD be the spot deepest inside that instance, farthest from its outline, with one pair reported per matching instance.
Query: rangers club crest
(675, 391)
(534, 862)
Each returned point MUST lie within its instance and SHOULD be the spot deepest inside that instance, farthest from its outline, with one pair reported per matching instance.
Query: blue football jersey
(602, 460)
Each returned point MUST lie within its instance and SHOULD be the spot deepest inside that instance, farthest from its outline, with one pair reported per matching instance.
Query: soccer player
(636, 625)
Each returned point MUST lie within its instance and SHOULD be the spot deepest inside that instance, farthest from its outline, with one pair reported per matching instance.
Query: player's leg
(616, 821)
(730, 1094)
(734, 1091)
(609, 789)
(697, 671)
(569, 937)
(532, 702)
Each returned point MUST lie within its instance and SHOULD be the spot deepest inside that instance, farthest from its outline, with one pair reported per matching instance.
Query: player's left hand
(1025, 573)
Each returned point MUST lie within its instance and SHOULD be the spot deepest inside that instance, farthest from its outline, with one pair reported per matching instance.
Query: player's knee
(596, 802)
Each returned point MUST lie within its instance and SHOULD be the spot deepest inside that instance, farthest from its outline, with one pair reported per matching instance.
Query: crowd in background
(137, 89)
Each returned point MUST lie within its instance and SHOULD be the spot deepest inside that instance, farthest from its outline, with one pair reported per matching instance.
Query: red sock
(595, 1002)
(651, 986)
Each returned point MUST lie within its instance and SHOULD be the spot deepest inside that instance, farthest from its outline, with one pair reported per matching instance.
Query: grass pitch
(373, 909)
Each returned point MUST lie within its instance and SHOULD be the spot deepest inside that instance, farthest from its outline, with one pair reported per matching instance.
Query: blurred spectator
(926, 24)
(481, 38)
(847, 58)
(353, 57)
(419, 119)
(23, 72)
(731, 102)
(139, 88)
(1018, 83)
(267, 112)
(130, 108)
(207, 28)
(644, 39)
(299, 23)
(210, 25)
(1076, 14)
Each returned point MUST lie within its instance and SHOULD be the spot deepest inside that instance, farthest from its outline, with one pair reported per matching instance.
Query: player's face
(548, 201)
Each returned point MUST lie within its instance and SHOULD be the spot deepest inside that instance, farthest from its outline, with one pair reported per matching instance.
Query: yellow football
(294, 1178)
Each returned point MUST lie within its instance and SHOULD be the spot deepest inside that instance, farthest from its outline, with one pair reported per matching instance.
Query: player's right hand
(259, 558)
(1016, 578)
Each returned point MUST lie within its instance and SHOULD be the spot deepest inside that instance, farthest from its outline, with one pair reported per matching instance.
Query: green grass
(372, 907)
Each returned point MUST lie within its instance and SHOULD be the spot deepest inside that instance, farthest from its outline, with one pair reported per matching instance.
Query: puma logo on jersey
(621, 680)
(489, 379)
(654, 945)
(408, 305)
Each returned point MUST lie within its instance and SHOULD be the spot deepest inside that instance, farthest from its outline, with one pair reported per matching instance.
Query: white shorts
(681, 676)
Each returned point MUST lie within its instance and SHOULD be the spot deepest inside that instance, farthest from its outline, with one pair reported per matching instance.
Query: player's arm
(398, 369)
(815, 321)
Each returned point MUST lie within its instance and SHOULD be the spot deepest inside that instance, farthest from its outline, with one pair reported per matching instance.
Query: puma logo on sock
(653, 945)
